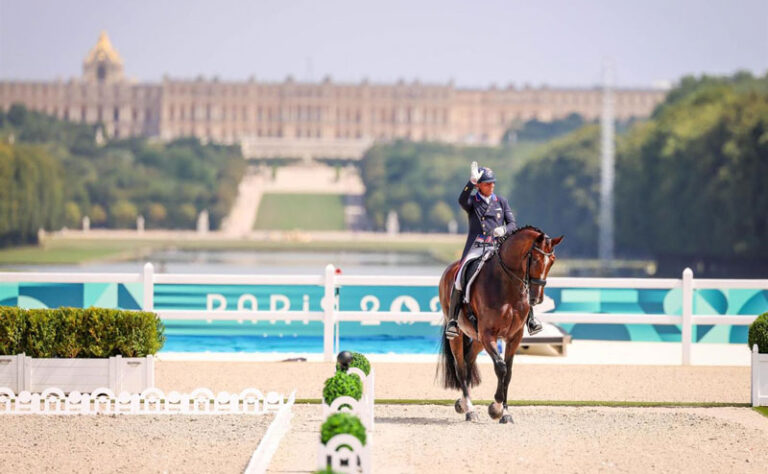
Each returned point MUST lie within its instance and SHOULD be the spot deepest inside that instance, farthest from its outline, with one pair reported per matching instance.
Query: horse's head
(528, 259)
(540, 259)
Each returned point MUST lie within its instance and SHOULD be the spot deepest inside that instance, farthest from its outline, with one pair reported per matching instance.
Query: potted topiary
(758, 344)
(343, 444)
(75, 349)
(342, 423)
(342, 385)
(346, 359)
(357, 364)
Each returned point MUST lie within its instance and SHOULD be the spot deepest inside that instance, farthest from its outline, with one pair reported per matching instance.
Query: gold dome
(103, 51)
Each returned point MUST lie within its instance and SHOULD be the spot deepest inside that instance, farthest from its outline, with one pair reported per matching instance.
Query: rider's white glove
(499, 231)
(474, 174)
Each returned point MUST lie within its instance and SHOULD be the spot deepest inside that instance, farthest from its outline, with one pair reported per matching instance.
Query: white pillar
(687, 328)
(329, 311)
(149, 287)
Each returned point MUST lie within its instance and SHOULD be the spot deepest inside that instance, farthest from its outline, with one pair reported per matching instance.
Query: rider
(490, 217)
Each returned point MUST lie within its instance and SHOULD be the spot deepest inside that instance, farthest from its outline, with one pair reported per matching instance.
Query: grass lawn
(301, 211)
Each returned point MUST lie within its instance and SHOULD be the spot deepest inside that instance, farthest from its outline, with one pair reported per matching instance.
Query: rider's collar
(488, 199)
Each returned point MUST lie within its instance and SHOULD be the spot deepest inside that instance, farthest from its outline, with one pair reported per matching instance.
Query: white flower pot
(759, 378)
(131, 374)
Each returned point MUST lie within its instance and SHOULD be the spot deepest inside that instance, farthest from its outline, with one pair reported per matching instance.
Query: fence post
(755, 385)
(329, 311)
(149, 287)
(687, 328)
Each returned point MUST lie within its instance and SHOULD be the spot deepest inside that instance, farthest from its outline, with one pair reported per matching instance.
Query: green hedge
(758, 334)
(76, 332)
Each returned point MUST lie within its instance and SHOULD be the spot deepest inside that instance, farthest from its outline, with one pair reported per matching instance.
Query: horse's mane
(519, 229)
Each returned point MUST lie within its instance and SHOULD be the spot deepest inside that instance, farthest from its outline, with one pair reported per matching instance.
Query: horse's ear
(541, 237)
(557, 240)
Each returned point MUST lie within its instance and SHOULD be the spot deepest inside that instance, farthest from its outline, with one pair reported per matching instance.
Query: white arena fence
(153, 401)
(330, 315)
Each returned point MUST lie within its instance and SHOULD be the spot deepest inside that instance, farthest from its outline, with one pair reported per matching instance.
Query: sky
(472, 43)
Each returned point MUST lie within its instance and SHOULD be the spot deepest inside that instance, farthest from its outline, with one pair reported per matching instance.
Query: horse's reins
(528, 280)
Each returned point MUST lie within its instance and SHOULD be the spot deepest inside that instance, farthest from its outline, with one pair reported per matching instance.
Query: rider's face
(486, 189)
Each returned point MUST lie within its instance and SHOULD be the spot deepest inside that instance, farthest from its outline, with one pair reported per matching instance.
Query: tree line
(53, 173)
(690, 180)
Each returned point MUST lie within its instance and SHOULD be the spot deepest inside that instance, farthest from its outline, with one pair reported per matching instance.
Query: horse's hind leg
(463, 404)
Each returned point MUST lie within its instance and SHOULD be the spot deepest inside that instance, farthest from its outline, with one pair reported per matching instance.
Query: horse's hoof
(495, 410)
(471, 416)
(507, 419)
(457, 406)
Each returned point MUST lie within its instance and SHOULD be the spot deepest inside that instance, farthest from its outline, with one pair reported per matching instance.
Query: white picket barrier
(53, 401)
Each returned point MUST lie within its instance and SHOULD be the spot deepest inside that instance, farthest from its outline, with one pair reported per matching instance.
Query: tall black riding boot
(534, 326)
(452, 329)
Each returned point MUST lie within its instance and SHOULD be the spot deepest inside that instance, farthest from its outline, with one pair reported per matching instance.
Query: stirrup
(534, 326)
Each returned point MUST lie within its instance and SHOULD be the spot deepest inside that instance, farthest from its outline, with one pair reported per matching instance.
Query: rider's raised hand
(499, 231)
(474, 173)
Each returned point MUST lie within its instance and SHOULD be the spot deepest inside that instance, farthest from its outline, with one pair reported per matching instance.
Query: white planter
(363, 409)
(345, 453)
(132, 374)
(759, 378)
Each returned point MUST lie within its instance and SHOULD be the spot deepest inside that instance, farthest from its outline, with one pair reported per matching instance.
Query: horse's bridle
(527, 281)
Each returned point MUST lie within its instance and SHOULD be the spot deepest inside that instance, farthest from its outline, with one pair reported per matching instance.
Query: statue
(393, 225)
(202, 222)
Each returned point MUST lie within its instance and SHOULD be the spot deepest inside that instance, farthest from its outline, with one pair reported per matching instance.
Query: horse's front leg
(495, 409)
(509, 356)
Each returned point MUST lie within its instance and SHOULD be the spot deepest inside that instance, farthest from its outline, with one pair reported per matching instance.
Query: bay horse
(508, 284)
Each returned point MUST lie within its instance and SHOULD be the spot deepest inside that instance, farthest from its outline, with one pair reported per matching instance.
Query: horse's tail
(447, 364)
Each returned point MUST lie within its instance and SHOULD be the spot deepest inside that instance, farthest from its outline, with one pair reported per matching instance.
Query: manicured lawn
(301, 211)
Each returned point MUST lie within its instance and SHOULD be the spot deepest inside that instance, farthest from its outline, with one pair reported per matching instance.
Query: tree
(440, 215)
(98, 215)
(123, 214)
(410, 215)
(691, 182)
(72, 215)
(559, 190)
(157, 214)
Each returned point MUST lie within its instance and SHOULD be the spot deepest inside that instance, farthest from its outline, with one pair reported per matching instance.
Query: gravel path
(129, 443)
(529, 382)
(416, 439)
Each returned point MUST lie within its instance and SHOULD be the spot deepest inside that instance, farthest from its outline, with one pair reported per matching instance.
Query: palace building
(300, 119)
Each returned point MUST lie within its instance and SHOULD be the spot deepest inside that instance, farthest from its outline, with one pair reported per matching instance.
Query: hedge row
(77, 332)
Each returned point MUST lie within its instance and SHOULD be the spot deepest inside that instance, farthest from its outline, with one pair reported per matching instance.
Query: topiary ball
(342, 423)
(341, 385)
(758, 334)
(358, 360)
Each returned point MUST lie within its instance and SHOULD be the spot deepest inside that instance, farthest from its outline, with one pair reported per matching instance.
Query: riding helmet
(487, 177)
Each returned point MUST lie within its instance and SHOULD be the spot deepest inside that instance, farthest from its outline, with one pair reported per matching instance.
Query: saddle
(468, 274)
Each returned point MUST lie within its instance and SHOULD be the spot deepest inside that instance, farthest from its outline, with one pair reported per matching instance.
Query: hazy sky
(474, 43)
